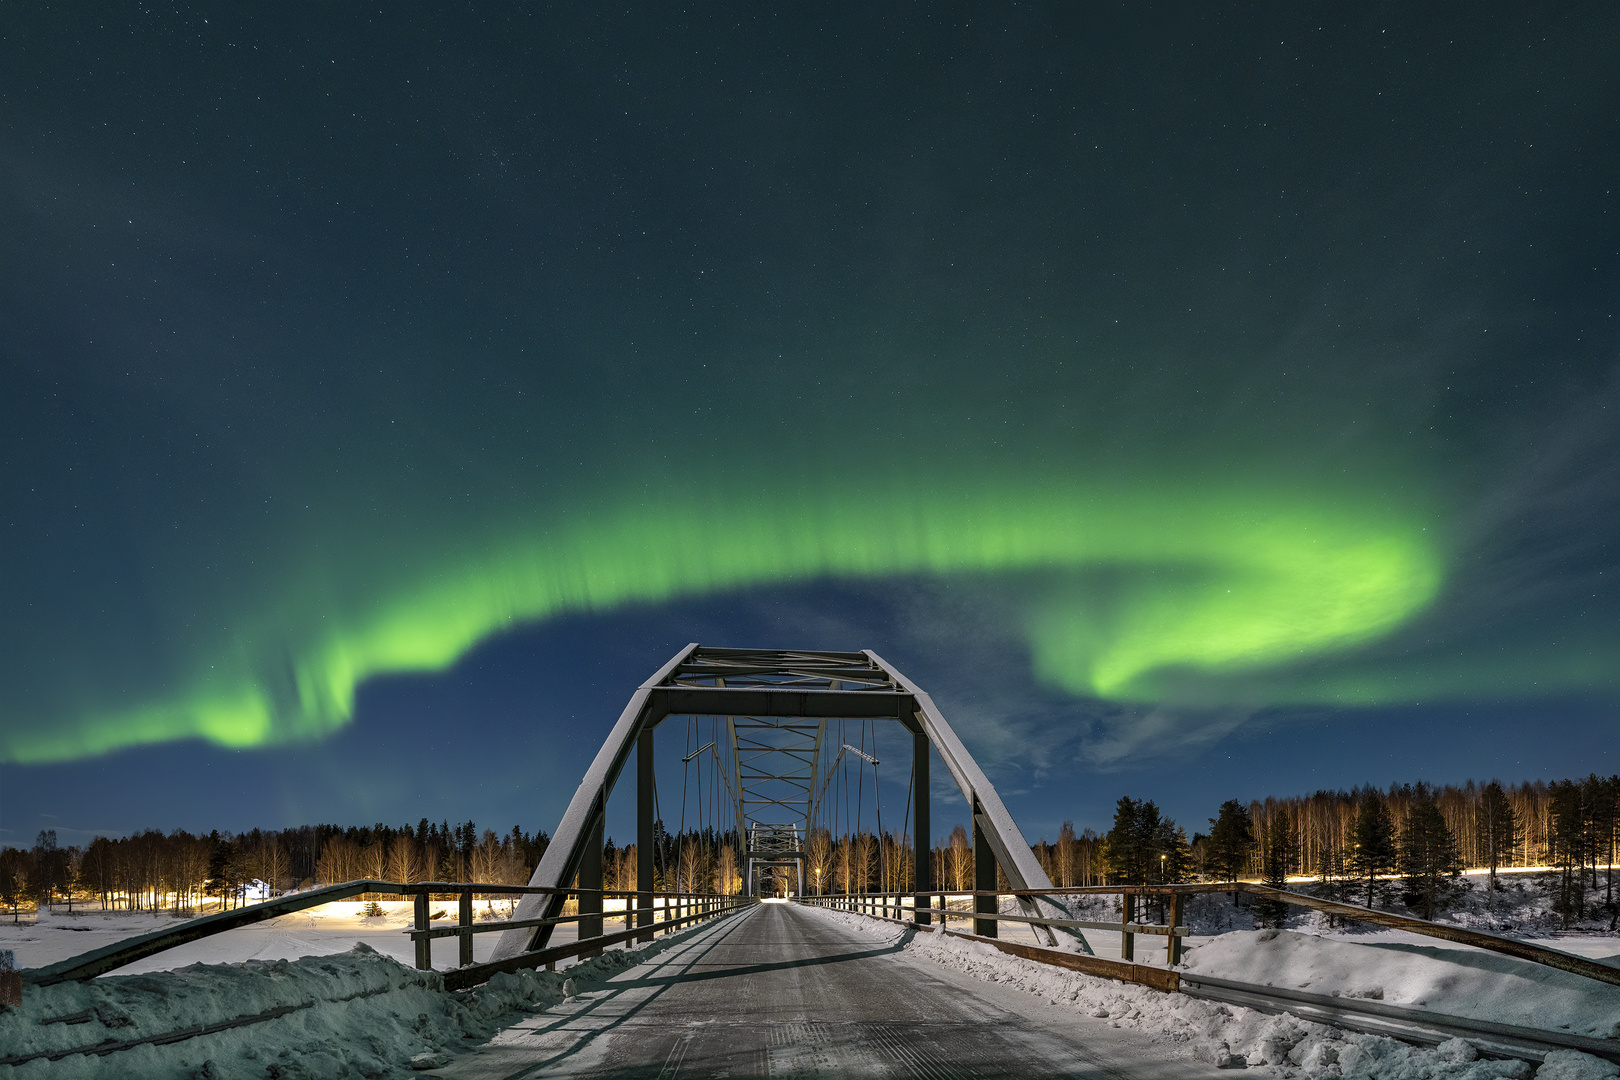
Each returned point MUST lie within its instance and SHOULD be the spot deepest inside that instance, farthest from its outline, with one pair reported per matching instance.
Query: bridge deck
(785, 992)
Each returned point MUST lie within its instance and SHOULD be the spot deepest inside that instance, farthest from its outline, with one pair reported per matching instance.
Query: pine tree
(1279, 853)
(1176, 866)
(1144, 845)
(1568, 810)
(1374, 853)
(1231, 838)
(1500, 827)
(1124, 853)
(1428, 857)
(1608, 834)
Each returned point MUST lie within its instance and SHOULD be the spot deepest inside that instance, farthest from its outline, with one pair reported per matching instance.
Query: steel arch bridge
(776, 707)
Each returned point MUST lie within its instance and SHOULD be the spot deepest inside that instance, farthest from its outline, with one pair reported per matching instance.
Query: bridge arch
(776, 705)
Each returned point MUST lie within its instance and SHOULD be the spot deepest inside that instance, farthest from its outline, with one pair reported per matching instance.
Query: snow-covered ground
(356, 1004)
(1495, 988)
(1518, 909)
(357, 1013)
(1438, 976)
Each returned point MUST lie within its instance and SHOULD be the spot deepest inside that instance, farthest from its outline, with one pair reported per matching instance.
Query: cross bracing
(778, 707)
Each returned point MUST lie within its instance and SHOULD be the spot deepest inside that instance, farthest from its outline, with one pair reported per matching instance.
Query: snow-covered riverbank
(1460, 982)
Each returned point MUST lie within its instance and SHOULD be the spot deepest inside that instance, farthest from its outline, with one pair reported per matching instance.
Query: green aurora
(1204, 579)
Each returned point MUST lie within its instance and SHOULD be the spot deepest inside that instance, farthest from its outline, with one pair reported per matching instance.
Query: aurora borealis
(1212, 374)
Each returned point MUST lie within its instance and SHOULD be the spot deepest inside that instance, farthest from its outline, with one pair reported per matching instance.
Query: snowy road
(784, 992)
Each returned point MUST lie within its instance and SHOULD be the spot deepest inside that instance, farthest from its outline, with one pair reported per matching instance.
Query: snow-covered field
(1284, 1046)
(1519, 909)
(319, 931)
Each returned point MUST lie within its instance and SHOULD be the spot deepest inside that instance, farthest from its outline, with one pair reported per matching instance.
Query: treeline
(1370, 845)
(696, 861)
(180, 871)
(867, 862)
(1558, 822)
(1366, 844)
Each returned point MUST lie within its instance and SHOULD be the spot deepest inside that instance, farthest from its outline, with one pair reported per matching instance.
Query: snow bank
(356, 1014)
(1449, 979)
(1228, 1036)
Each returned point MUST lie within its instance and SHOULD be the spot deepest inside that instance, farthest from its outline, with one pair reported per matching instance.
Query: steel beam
(922, 845)
(793, 702)
(1013, 851)
(984, 875)
(590, 877)
(561, 861)
(646, 839)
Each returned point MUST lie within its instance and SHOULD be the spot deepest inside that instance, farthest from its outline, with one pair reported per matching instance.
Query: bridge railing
(925, 907)
(669, 911)
(920, 909)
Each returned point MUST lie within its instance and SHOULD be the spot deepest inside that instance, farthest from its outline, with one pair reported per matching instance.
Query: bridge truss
(778, 707)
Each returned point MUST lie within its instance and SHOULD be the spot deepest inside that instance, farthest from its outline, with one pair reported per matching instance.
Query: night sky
(1199, 405)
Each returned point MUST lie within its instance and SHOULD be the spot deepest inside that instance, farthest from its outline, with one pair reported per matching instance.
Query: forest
(1366, 844)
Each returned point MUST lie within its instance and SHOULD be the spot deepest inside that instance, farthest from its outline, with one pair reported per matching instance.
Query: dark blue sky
(1200, 403)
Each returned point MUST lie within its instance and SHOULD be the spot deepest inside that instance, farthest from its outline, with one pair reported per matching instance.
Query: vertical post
(1127, 940)
(424, 946)
(590, 883)
(984, 877)
(464, 918)
(644, 833)
(922, 846)
(1172, 951)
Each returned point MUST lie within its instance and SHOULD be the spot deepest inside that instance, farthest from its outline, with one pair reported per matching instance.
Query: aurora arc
(1206, 578)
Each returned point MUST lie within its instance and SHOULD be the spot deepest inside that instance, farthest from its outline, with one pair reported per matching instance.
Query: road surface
(784, 992)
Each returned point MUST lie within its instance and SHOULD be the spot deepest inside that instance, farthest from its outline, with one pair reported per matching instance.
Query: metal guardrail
(1409, 1024)
(121, 953)
(677, 906)
(1522, 950)
(464, 977)
(1124, 970)
(985, 922)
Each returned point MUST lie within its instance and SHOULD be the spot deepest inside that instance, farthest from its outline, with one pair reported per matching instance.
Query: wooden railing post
(465, 917)
(1127, 940)
(1172, 950)
(424, 944)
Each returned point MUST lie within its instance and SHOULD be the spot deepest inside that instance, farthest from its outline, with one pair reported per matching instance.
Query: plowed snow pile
(1285, 1046)
(355, 1014)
